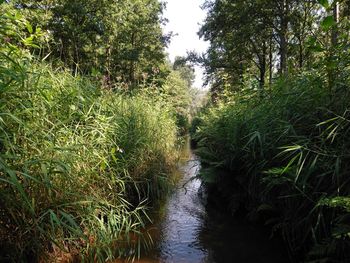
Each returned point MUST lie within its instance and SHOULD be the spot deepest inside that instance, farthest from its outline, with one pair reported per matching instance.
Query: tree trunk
(262, 67)
(284, 12)
(301, 54)
(283, 53)
(132, 62)
(335, 28)
(108, 65)
(270, 61)
(332, 74)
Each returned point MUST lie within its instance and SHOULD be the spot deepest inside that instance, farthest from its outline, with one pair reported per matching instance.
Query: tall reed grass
(79, 165)
(288, 153)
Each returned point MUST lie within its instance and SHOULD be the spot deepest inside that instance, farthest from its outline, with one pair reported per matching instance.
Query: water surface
(189, 231)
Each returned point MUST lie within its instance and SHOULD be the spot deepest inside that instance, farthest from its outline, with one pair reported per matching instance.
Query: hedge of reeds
(79, 165)
(287, 151)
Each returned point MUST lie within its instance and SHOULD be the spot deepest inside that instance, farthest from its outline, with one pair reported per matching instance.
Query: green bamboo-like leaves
(74, 158)
(290, 152)
(327, 23)
(324, 3)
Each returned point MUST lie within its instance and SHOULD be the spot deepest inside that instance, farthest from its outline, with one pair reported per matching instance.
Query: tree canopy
(259, 40)
(120, 40)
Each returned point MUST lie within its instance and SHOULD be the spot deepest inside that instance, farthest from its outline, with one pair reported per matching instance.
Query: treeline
(90, 118)
(279, 118)
(258, 41)
(121, 40)
(120, 43)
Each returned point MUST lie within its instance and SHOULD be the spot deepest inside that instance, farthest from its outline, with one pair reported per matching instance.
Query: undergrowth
(287, 150)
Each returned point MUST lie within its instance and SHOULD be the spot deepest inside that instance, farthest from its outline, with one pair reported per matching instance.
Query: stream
(189, 231)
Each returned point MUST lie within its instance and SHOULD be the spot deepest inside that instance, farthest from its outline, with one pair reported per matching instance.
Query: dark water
(188, 230)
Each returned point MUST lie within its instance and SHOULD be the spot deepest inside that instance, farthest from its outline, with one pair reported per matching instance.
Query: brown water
(189, 231)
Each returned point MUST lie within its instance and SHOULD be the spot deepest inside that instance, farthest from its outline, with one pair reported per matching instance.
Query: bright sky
(185, 18)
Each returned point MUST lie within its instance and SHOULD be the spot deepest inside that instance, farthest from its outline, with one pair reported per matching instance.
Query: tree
(186, 71)
(252, 40)
(240, 37)
(121, 40)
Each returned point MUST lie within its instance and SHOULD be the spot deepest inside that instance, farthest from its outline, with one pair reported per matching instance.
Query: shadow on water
(189, 230)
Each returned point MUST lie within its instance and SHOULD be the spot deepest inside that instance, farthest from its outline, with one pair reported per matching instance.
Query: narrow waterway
(189, 231)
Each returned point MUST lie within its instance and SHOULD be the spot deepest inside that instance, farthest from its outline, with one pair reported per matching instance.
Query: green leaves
(342, 202)
(314, 45)
(123, 38)
(324, 3)
(328, 23)
(29, 27)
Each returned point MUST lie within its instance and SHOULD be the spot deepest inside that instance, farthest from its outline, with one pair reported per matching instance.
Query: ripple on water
(190, 232)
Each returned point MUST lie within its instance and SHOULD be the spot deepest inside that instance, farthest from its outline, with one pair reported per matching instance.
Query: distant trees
(186, 71)
(178, 91)
(122, 41)
(259, 40)
(118, 43)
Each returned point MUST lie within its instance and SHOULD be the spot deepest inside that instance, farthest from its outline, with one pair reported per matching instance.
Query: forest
(93, 115)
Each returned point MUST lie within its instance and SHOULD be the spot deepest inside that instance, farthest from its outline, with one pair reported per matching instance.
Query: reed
(79, 165)
(288, 153)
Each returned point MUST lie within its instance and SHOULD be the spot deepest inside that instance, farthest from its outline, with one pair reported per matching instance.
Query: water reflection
(189, 231)
(184, 215)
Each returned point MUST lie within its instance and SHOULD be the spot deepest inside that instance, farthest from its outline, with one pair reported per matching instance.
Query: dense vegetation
(120, 40)
(279, 118)
(90, 113)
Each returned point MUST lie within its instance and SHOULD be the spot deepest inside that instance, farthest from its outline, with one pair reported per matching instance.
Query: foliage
(118, 41)
(286, 143)
(256, 40)
(289, 151)
(179, 92)
(79, 165)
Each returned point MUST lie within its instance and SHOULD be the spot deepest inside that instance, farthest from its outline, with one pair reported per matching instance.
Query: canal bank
(189, 229)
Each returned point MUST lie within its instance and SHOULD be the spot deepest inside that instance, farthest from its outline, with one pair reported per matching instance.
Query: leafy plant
(79, 164)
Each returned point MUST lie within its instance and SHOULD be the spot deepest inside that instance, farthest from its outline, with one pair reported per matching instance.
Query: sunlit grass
(79, 165)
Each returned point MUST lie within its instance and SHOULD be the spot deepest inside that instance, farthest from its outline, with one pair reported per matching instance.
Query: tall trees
(120, 40)
(280, 25)
(179, 92)
(240, 34)
(302, 21)
(226, 58)
(256, 38)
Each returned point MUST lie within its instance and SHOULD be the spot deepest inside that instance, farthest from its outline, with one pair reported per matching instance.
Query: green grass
(288, 149)
(79, 165)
